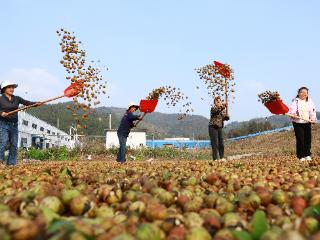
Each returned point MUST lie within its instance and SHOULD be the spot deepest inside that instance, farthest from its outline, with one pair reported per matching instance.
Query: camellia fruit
(198, 233)
(80, 205)
(53, 203)
(298, 204)
(148, 231)
(68, 194)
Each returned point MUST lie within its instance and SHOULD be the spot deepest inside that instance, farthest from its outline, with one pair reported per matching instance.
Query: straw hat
(8, 83)
(132, 104)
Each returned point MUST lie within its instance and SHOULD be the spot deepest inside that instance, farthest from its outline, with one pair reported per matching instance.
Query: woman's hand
(313, 121)
(294, 117)
(4, 114)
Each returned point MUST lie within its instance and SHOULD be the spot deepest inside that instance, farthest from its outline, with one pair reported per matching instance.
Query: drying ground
(267, 196)
(252, 198)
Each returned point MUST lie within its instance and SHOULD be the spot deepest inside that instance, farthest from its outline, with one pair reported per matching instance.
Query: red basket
(148, 106)
(277, 107)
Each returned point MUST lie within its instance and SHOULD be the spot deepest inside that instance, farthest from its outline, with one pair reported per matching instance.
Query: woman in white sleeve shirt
(302, 107)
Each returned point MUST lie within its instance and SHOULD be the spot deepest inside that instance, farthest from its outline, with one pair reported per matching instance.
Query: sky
(270, 44)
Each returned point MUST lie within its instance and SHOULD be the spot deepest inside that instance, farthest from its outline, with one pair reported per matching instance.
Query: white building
(137, 138)
(33, 132)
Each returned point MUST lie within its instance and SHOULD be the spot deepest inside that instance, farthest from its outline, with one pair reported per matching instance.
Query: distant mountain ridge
(158, 125)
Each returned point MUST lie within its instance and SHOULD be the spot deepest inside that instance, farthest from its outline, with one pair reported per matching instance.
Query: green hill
(159, 125)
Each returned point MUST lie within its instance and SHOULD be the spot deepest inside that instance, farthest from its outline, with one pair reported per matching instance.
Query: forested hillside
(159, 125)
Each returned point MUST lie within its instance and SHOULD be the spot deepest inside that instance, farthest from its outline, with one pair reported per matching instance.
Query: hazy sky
(271, 44)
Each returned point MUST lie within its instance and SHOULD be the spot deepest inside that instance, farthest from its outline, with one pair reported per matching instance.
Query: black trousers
(303, 139)
(216, 138)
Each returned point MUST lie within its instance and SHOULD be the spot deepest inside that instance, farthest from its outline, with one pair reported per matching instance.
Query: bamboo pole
(34, 105)
(226, 95)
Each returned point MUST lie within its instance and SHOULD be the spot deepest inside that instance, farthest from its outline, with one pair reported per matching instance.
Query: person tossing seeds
(217, 117)
(303, 107)
(9, 122)
(126, 124)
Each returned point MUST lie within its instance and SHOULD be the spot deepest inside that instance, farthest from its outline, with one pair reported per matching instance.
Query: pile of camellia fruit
(77, 68)
(269, 96)
(218, 79)
(172, 96)
(254, 198)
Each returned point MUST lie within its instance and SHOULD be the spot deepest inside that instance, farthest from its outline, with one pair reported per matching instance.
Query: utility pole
(110, 121)
(152, 140)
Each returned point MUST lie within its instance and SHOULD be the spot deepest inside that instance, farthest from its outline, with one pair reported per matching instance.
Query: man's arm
(133, 117)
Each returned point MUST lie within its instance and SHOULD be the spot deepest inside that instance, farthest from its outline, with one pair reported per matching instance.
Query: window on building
(34, 126)
(48, 131)
(24, 142)
(41, 129)
(24, 122)
(53, 133)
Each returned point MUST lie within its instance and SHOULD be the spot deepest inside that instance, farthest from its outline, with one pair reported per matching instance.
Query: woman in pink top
(304, 112)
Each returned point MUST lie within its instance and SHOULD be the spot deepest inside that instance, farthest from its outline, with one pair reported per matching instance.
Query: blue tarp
(262, 133)
(206, 143)
(179, 144)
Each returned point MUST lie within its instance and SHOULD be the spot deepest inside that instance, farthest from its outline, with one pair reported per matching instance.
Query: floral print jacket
(218, 116)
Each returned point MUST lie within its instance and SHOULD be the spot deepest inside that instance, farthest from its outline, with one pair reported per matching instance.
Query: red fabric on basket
(222, 69)
(148, 106)
(277, 107)
(74, 89)
(218, 64)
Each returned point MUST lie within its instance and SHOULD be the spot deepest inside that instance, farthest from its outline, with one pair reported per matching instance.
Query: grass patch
(63, 153)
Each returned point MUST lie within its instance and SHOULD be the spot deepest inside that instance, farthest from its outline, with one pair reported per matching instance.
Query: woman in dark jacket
(126, 124)
(217, 118)
(9, 123)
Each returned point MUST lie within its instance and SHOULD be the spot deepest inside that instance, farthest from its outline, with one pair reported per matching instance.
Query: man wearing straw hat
(126, 124)
(9, 122)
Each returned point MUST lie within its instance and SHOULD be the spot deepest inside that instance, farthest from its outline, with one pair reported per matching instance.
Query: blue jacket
(127, 123)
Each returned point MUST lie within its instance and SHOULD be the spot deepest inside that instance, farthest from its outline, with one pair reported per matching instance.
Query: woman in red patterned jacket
(217, 117)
